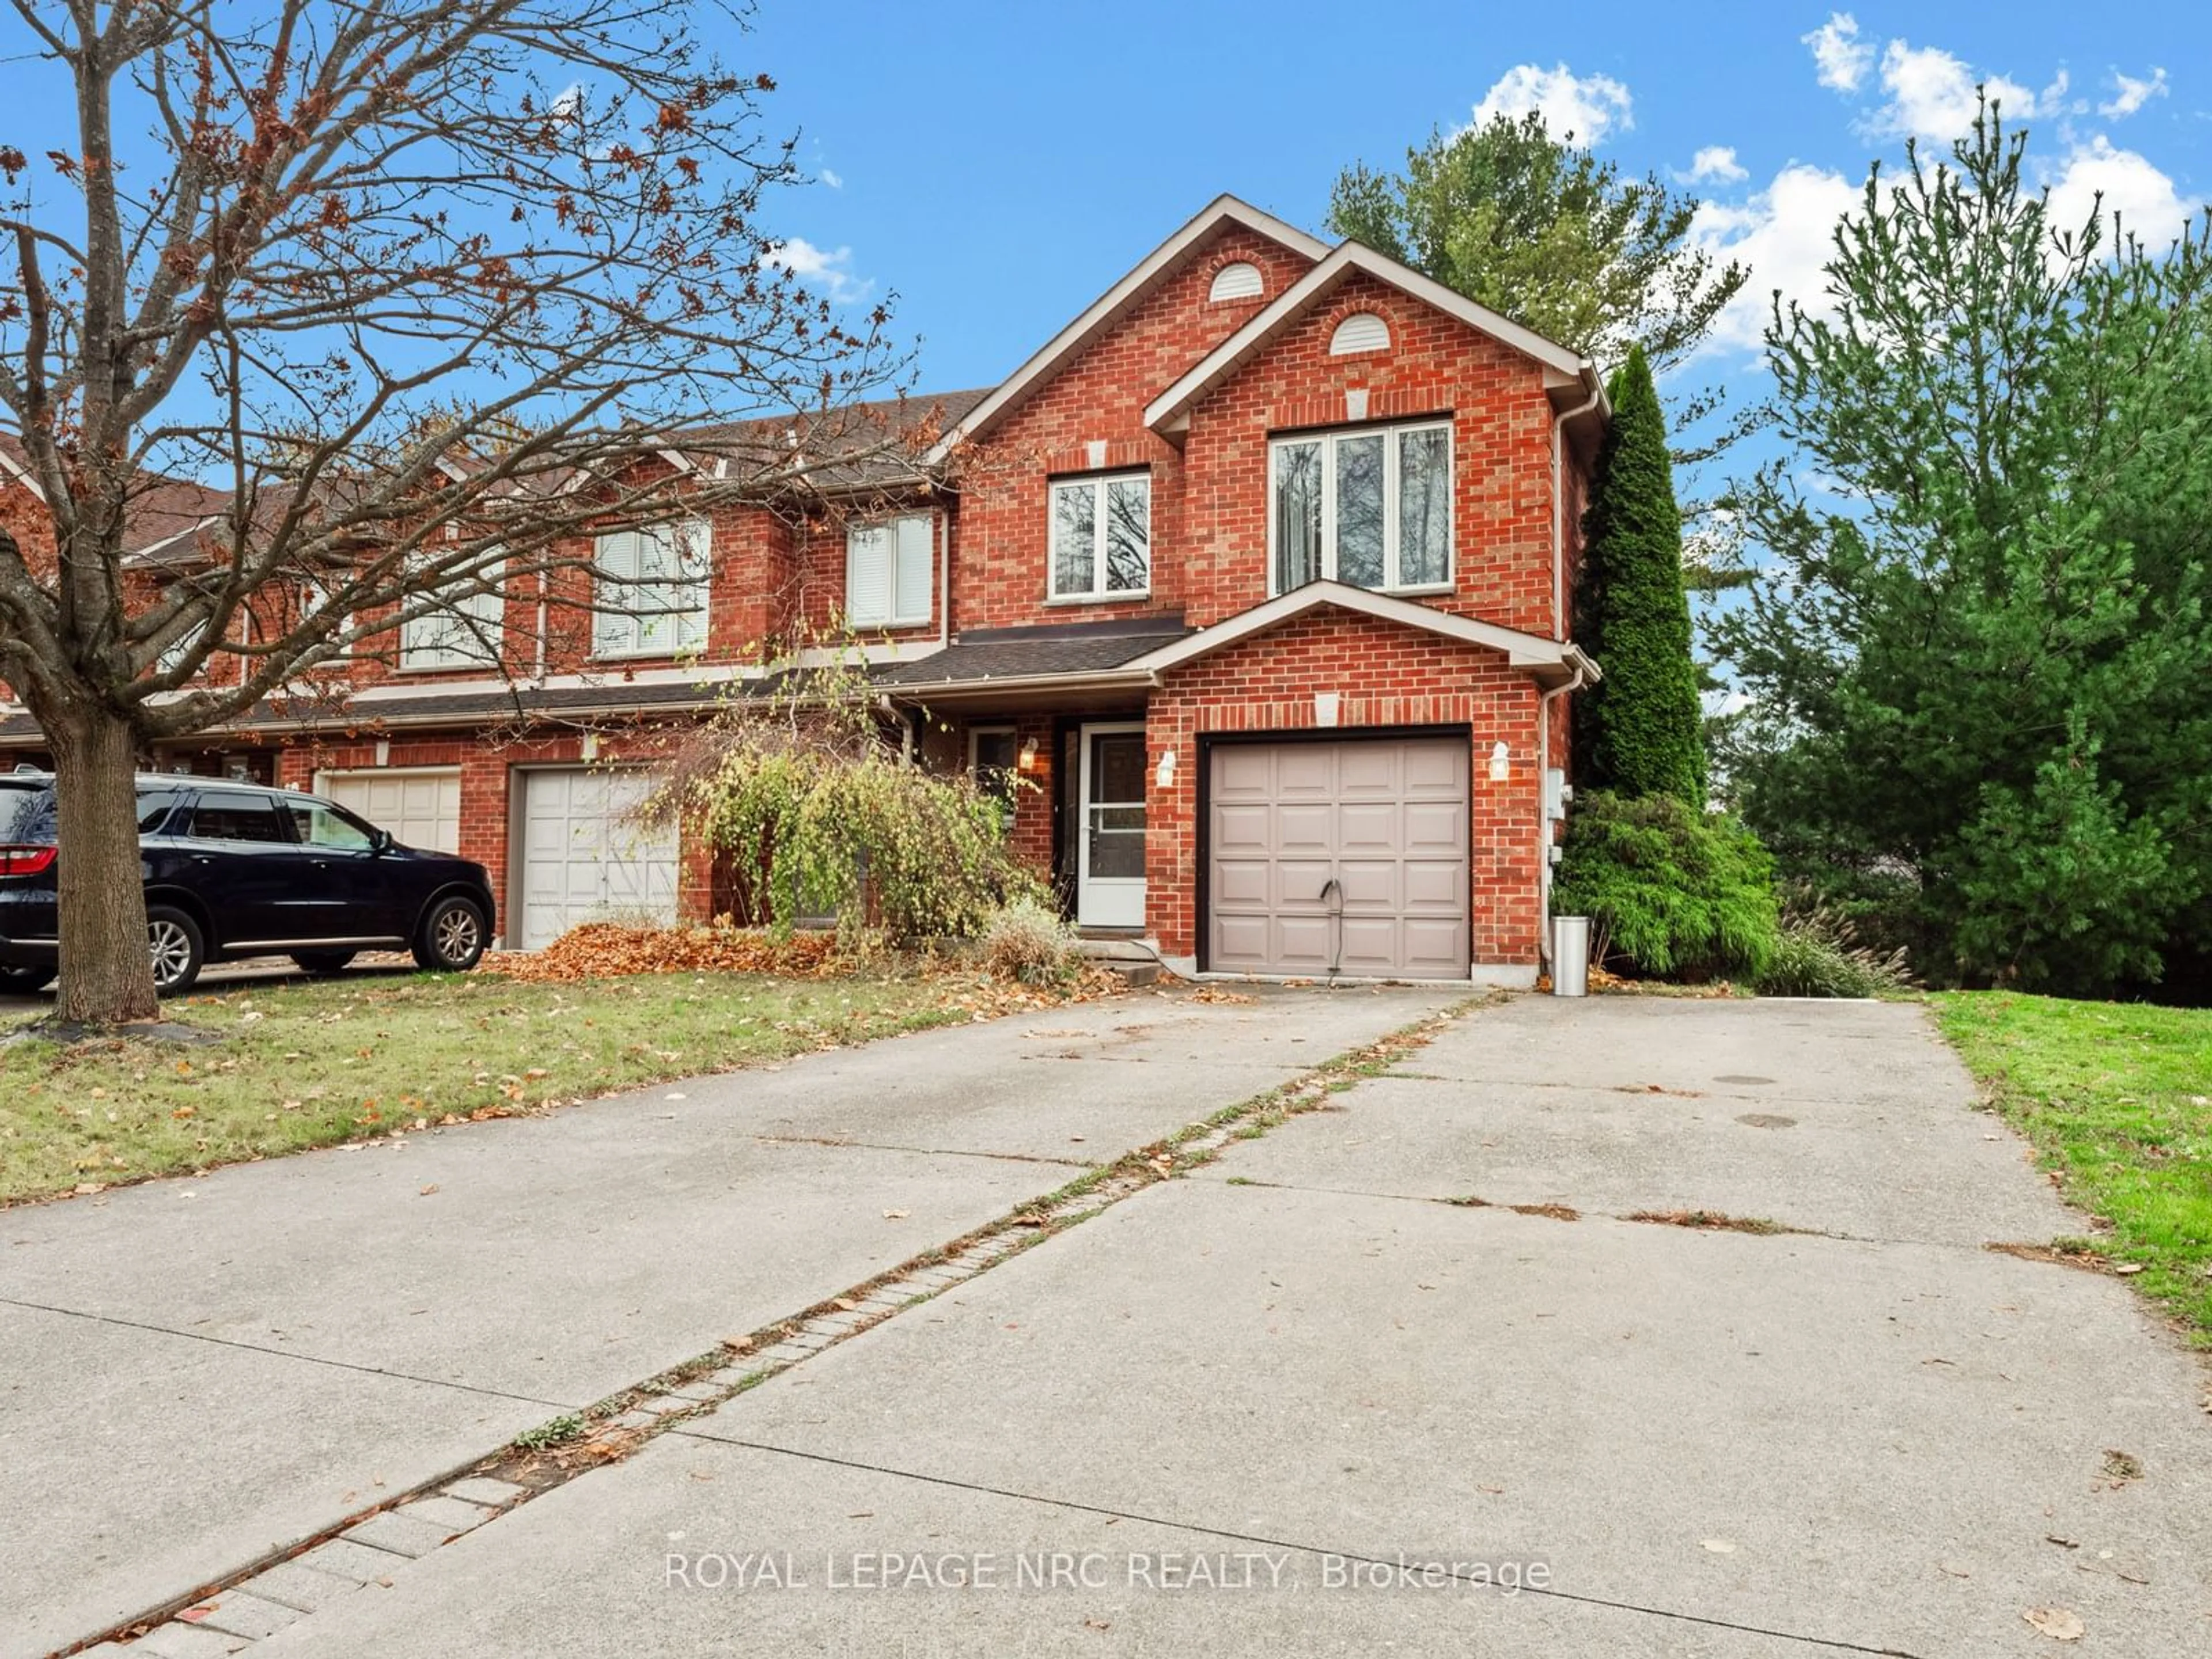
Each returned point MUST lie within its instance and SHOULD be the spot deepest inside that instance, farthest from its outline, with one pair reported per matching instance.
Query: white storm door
(1110, 888)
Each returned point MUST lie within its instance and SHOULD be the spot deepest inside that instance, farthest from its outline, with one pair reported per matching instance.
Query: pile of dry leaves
(602, 950)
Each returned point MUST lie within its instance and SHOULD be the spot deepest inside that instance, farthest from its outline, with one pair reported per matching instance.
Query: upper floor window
(1361, 331)
(887, 582)
(1240, 280)
(1101, 536)
(650, 591)
(463, 631)
(1369, 507)
(316, 597)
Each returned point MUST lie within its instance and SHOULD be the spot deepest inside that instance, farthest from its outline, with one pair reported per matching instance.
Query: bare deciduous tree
(400, 290)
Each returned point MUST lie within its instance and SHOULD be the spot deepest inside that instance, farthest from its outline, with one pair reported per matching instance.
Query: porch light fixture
(1163, 773)
(1501, 767)
(1028, 761)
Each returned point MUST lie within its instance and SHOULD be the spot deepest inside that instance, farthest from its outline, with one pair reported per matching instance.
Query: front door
(1110, 853)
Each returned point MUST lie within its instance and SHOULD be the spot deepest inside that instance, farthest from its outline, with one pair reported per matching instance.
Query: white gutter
(1559, 494)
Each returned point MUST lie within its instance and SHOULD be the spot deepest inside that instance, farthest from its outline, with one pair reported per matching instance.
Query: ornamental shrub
(1671, 892)
(1030, 941)
(820, 814)
(1640, 729)
(1817, 955)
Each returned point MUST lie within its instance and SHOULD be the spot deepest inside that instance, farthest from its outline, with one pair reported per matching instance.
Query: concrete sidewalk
(1715, 1443)
(194, 1372)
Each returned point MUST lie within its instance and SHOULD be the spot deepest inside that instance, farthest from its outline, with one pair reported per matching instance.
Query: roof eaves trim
(1522, 650)
(1175, 403)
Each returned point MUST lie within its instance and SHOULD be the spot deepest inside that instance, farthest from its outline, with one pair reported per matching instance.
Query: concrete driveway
(196, 1372)
(1231, 1404)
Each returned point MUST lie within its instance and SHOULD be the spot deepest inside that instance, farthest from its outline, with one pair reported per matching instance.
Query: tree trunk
(107, 975)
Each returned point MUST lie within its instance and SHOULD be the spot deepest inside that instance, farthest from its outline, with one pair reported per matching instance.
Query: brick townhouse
(1250, 587)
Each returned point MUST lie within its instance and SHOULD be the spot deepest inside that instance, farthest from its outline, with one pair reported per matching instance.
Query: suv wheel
(25, 982)
(450, 940)
(322, 963)
(173, 941)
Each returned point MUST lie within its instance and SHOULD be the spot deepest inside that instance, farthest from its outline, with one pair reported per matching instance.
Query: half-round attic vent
(1361, 331)
(1237, 282)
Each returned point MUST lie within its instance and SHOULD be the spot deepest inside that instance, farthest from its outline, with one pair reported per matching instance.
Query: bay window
(1101, 536)
(1369, 507)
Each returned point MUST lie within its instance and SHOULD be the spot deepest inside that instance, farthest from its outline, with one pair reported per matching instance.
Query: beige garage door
(585, 860)
(1345, 856)
(421, 808)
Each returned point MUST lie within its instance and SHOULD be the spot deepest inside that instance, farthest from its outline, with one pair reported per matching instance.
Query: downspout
(1559, 494)
(1543, 821)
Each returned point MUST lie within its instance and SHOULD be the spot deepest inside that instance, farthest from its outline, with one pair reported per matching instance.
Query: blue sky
(996, 166)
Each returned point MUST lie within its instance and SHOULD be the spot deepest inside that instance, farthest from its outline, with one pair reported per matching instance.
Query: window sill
(697, 654)
(1431, 591)
(1119, 596)
(889, 625)
(477, 667)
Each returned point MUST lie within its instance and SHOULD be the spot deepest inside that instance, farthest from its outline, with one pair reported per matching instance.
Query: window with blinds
(887, 573)
(650, 590)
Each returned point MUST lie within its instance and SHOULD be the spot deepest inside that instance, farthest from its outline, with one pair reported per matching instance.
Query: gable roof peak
(1116, 302)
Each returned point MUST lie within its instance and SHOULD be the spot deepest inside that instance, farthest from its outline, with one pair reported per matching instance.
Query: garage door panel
(1367, 826)
(1241, 881)
(417, 808)
(1433, 949)
(1300, 944)
(1304, 769)
(1242, 830)
(584, 860)
(1386, 820)
(1434, 886)
(1368, 768)
(1436, 769)
(1370, 884)
(1305, 827)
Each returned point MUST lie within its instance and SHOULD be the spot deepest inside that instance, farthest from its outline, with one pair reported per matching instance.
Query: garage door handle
(1331, 886)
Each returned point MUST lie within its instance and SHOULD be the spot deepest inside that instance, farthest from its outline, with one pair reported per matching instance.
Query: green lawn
(2118, 1097)
(312, 1065)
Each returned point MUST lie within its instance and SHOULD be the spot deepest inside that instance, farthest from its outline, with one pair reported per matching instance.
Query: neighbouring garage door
(1346, 855)
(420, 808)
(583, 860)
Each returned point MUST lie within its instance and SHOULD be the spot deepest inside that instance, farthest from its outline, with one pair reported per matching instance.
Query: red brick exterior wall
(1385, 676)
(1100, 396)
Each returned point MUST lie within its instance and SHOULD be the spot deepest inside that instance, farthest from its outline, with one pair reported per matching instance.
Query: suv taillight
(24, 860)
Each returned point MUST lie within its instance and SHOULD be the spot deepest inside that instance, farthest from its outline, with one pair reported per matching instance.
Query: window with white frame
(1101, 536)
(650, 591)
(315, 595)
(463, 631)
(1369, 507)
(887, 571)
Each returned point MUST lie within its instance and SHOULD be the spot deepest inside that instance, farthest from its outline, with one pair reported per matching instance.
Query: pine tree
(1638, 731)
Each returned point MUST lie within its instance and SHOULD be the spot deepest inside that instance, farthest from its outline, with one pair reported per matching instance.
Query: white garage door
(583, 860)
(420, 808)
(1338, 857)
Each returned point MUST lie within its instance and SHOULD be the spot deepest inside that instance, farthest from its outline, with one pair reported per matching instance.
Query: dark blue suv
(236, 870)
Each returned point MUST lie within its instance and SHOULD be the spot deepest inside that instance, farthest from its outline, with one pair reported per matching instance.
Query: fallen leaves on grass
(603, 950)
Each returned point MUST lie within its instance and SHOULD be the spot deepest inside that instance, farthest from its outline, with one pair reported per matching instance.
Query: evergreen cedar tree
(1638, 731)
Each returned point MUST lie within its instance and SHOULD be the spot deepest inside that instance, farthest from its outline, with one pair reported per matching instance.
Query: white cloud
(832, 178)
(2143, 198)
(1714, 164)
(2132, 95)
(1784, 234)
(1843, 58)
(831, 271)
(1587, 105)
(1932, 94)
